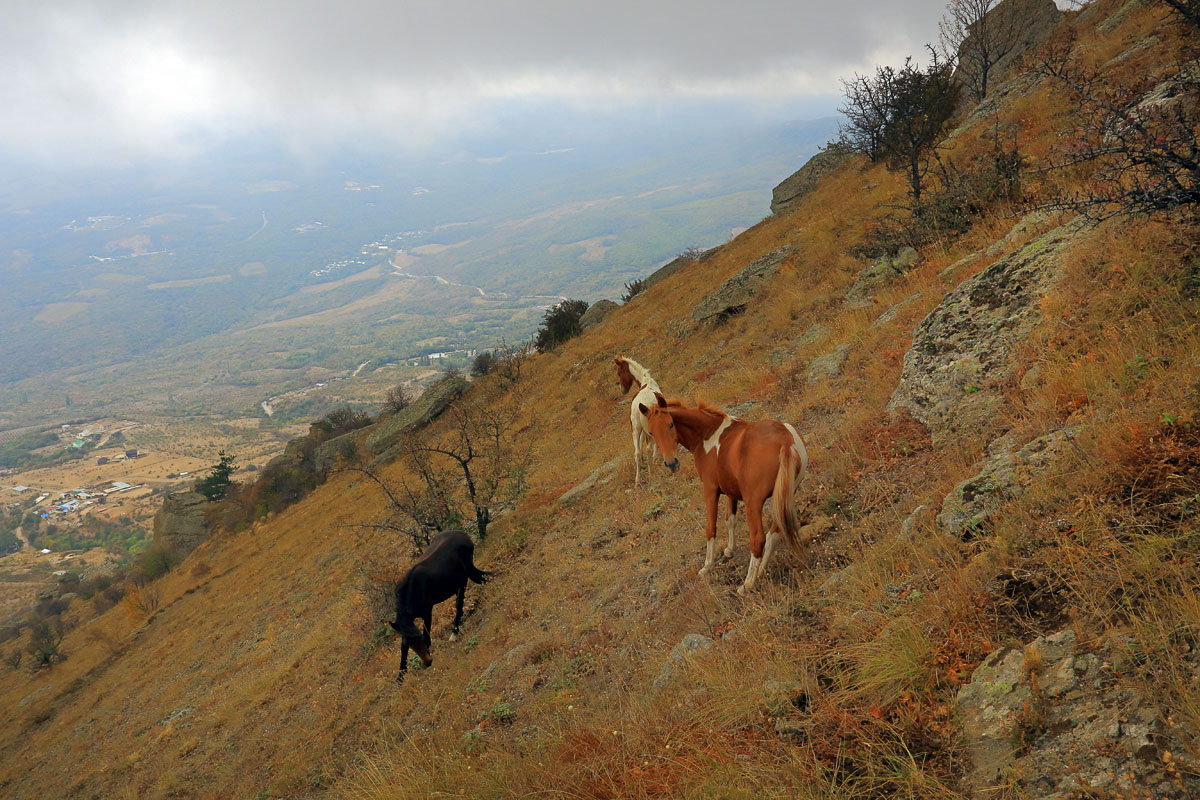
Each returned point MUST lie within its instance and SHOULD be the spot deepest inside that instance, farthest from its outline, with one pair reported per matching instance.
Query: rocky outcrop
(1003, 476)
(962, 352)
(425, 409)
(892, 312)
(179, 525)
(682, 654)
(673, 266)
(599, 476)
(735, 293)
(829, 365)
(790, 191)
(596, 312)
(1014, 27)
(1058, 723)
(885, 270)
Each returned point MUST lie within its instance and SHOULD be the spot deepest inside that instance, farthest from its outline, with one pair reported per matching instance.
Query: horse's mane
(640, 373)
(703, 406)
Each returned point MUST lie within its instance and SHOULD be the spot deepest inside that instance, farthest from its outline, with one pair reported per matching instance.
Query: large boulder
(962, 352)
(1001, 477)
(1014, 27)
(180, 526)
(885, 270)
(673, 266)
(596, 312)
(789, 192)
(1054, 723)
(735, 293)
(425, 409)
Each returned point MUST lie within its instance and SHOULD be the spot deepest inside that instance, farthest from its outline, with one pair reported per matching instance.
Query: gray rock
(329, 453)
(891, 313)
(1072, 736)
(673, 266)
(179, 525)
(682, 654)
(596, 312)
(789, 192)
(813, 334)
(962, 352)
(1002, 476)
(1031, 22)
(884, 271)
(913, 519)
(829, 365)
(735, 293)
(597, 477)
(383, 440)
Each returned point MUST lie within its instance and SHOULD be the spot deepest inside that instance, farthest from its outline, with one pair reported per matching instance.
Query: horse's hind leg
(730, 523)
(458, 606)
(712, 502)
(757, 544)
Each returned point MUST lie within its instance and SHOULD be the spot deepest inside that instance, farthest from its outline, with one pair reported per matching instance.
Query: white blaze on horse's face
(662, 428)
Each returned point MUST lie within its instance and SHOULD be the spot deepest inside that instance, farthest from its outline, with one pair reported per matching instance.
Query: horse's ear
(662, 401)
(643, 409)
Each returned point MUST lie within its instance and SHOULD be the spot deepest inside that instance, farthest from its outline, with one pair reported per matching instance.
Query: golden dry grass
(259, 673)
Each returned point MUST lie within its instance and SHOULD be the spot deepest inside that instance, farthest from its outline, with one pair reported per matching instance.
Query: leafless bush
(1139, 138)
(45, 642)
(978, 34)
(397, 399)
(143, 597)
(470, 470)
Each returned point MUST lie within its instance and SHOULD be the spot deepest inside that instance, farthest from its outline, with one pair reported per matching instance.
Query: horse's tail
(478, 575)
(783, 497)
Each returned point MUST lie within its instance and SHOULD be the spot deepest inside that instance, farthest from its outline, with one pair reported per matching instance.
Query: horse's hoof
(743, 589)
(729, 553)
(454, 637)
(703, 571)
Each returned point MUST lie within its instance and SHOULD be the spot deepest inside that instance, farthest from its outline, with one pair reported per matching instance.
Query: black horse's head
(412, 637)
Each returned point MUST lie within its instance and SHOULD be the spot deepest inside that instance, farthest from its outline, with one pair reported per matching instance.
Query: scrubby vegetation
(560, 323)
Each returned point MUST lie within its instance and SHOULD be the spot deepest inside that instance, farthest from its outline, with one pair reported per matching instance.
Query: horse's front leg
(637, 455)
(712, 501)
(730, 522)
(458, 607)
(403, 659)
(428, 620)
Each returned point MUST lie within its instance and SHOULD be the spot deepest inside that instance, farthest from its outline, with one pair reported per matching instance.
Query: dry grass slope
(261, 673)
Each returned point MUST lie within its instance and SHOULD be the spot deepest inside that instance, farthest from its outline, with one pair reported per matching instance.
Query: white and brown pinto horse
(630, 372)
(745, 461)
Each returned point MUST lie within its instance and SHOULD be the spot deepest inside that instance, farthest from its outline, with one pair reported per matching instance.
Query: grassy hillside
(261, 671)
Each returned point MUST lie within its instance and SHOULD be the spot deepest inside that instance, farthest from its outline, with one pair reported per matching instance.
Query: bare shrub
(397, 399)
(143, 598)
(45, 642)
(1140, 137)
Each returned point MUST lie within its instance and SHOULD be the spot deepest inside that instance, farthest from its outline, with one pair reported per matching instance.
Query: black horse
(441, 571)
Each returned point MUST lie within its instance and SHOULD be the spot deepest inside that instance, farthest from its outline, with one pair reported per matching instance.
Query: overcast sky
(86, 79)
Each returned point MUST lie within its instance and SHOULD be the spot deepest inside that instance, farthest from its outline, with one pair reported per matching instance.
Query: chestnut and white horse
(745, 461)
(630, 372)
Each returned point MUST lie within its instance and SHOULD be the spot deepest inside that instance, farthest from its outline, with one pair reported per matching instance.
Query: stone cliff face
(180, 525)
(793, 188)
(963, 352)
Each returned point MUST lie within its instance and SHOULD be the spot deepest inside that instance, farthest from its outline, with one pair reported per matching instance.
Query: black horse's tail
(478, 575)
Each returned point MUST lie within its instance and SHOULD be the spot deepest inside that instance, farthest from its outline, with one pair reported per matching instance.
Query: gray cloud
(110, 76)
